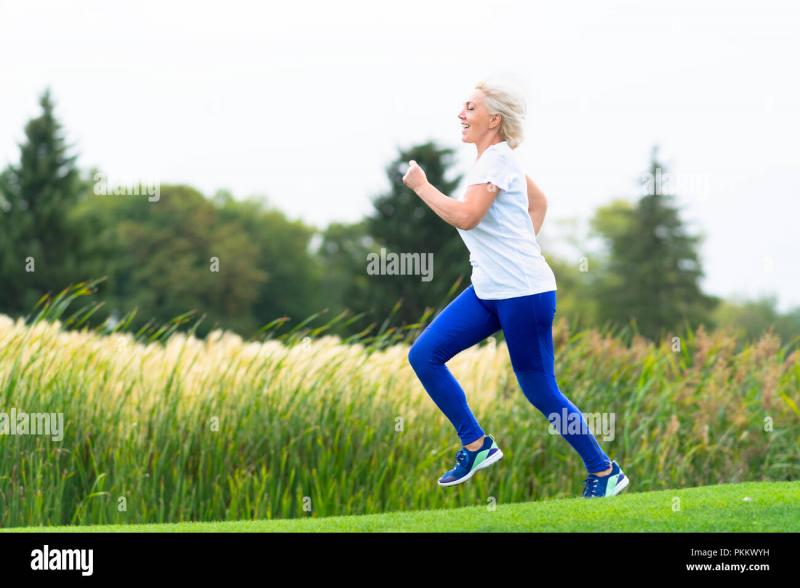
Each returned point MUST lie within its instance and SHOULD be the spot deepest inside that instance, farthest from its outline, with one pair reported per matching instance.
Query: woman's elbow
(466, 221)
(466, 224)
(471, 222)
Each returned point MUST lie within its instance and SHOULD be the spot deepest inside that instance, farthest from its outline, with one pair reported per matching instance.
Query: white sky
(306, 102)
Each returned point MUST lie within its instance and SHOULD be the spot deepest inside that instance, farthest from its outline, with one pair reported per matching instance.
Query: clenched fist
(414, 178)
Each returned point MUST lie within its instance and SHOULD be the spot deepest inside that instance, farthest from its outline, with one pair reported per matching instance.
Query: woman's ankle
(477, 444)
(605, 472)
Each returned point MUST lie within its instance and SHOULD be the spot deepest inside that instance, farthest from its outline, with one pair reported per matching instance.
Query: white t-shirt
(505, 256)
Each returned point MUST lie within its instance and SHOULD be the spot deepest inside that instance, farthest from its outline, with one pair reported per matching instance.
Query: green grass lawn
(743, 507)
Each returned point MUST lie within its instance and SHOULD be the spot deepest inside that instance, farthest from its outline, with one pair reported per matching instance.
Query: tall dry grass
(185, 429)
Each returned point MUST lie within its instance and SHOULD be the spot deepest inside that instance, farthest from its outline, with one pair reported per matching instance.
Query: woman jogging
(513, 289)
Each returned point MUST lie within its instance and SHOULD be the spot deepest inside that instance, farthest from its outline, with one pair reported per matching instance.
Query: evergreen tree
(653, 267)
(36, 243)
(402, 223)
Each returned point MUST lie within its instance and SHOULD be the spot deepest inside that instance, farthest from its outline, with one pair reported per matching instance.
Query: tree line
(241, 264)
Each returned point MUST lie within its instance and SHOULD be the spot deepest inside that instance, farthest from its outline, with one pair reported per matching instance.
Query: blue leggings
(527, 323)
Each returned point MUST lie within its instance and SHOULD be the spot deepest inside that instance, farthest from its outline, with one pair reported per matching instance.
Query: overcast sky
(306, 102)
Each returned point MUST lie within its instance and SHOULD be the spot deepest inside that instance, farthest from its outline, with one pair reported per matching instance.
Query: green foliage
(171, 256)
(36, 242)
(343, 255)
(161, 257)
(289, 272)
(220, 429)
(753, 318)
(652, 270)
(402, 222)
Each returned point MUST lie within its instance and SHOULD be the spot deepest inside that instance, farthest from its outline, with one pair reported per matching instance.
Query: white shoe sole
(485, 463)
(621, 486)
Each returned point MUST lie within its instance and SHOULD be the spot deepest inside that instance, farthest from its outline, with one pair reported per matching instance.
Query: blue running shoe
(468, 462)
(609, 485)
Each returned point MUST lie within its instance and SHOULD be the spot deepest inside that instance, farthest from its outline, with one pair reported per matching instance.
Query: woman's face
(475, 119)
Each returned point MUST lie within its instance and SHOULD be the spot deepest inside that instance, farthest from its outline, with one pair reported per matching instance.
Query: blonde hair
(509, 103)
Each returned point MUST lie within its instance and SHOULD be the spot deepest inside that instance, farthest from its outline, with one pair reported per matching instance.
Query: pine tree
(36, 195)
(402, 223)
(654, 268)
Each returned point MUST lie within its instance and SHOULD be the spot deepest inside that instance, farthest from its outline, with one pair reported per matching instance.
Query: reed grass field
(221, 429)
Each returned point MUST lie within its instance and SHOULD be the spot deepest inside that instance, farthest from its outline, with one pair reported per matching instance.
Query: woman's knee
(416, 354)
(421, 354)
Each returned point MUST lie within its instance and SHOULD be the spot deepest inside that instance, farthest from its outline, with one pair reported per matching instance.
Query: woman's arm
(537, 204)
(462, 215)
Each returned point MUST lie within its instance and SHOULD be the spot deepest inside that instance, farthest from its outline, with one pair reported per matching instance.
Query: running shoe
(609, 485)
(468, 462)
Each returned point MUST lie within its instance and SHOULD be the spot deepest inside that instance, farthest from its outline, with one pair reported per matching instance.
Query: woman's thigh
(527, 323)
(461, 324)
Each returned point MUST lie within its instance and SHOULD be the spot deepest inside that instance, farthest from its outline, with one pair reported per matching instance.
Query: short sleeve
(491, 167)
